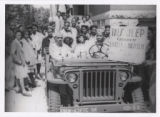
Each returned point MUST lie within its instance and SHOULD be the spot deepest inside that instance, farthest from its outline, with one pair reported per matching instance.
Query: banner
(128, 44)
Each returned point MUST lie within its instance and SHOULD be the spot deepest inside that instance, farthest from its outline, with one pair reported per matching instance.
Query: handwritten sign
(128, 44)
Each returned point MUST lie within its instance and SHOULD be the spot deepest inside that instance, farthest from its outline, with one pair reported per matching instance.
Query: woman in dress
(18, 58)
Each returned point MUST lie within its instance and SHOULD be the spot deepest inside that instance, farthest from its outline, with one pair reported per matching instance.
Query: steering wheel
(99, 50)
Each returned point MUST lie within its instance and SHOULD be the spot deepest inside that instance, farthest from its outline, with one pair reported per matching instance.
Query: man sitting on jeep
(99, 49)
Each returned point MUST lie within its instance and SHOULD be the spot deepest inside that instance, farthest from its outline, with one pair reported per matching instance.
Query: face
(81, 39)
(87, 17)
(12, 26)
(34, 29)
(107, 30)
(94, 31)
(99, 38)
(58, 14)
(30, 30)
(84, 19)
(73, 22)
(21, 28)
(50, 32)
(59, 41)
(26, 35)
(53, 26)
(18, 35)
(64, 17)
(84, 30)
(66, 26)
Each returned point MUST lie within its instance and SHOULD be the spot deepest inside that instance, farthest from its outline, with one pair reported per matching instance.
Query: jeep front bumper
(109, 108)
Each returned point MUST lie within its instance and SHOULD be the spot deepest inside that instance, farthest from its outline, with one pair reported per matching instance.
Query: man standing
(37, 39)
(69, 32)
(106, 33)
(58, 22)
(93, 33)
(46, 41)
(99, 49)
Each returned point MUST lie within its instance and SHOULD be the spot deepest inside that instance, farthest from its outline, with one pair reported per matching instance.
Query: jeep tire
(54, 100)
(138, 98)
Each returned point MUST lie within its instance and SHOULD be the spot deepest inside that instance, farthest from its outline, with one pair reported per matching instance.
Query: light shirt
(29, 54)
(37, 40)
(81, 51)
(84, 23)
(59, 53)
(62, 8)
(58, 23)
(72, 34)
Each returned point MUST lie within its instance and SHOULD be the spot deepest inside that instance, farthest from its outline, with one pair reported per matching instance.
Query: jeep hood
(89, 62)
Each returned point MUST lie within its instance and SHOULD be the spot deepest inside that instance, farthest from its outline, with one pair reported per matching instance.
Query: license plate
(78, 109)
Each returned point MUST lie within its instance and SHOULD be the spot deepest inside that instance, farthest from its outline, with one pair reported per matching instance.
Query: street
(16, 102)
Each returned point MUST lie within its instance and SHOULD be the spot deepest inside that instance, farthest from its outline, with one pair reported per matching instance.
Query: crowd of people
(65, 36)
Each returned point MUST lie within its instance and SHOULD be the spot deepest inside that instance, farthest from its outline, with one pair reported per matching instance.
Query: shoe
(16, 89)
(26, 93)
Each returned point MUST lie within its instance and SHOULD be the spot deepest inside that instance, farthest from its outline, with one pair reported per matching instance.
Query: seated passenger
(99, 49)
(84, 31)
(93, 33)
(81, 50)
(69, 32)
(67, 47)
(61, 49)
(55, 49)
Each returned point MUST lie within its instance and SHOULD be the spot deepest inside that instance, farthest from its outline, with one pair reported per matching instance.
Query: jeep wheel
(54, 101)
(138, 98)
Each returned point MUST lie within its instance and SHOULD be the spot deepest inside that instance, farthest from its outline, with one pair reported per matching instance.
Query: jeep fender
(53, 80)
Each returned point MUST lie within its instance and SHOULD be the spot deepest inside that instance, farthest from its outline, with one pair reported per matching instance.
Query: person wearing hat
(55, 49)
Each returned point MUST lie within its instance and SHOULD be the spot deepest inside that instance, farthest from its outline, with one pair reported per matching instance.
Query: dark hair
(83, 17)
(52, 23)
(85, 38)
(93, 26)
(29, 27)
(18, 31)
(67, 22)
(107, 26)
(66, 41)
(34, 24)
(84, 26)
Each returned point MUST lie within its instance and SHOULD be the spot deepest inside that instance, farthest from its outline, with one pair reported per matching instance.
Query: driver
(100, 49)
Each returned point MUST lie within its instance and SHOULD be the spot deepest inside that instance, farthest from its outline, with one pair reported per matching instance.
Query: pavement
(16, 102)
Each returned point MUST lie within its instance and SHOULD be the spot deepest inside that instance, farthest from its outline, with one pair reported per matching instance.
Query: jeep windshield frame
(89, 62)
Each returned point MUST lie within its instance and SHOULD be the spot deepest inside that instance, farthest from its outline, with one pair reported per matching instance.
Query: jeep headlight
(72, 77)
(123, 76)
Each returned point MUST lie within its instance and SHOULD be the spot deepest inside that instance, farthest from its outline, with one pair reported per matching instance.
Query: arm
(14, 53)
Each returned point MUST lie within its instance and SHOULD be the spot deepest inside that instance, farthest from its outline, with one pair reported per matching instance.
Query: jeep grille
(98, 85)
